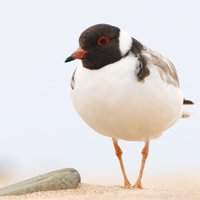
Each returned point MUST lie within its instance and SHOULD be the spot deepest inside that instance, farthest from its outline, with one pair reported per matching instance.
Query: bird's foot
(127, 184)
(138, 185)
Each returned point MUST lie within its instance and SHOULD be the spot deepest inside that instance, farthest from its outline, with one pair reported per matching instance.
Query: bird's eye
(103, 41)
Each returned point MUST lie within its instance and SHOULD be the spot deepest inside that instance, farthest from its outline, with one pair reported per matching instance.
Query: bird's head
(100, 45)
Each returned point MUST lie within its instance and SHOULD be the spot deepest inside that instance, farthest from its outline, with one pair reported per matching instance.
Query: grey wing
(165, 67)
(73, 80)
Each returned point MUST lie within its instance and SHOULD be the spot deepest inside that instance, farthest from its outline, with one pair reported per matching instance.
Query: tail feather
(185, 114)
(187, 102)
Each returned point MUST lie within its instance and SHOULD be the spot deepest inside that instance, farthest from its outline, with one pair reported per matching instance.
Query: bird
(124, 90)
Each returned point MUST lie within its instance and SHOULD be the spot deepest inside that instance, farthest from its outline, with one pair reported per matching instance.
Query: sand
(99, 192)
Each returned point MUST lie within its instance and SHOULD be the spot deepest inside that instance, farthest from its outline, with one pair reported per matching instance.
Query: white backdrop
(39, 128)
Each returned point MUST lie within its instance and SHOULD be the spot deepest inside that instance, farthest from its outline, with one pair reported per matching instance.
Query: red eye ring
(103, 41)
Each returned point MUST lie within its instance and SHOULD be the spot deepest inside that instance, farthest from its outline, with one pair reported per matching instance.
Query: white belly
(112, 101)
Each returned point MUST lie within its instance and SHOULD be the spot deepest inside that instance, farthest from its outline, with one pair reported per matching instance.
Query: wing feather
(165, 67)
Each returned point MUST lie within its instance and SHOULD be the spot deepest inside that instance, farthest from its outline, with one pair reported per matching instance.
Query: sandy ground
(98, 192)
(157, 187)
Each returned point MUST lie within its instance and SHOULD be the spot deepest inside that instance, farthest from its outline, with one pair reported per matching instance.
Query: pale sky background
(40, 130)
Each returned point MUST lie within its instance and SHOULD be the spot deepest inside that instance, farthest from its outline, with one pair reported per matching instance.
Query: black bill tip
(70, 58)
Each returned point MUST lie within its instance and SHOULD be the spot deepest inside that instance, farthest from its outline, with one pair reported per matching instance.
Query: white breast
(112, 101)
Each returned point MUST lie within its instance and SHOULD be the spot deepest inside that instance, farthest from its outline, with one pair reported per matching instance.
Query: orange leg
(119, 152)
(145, 152)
